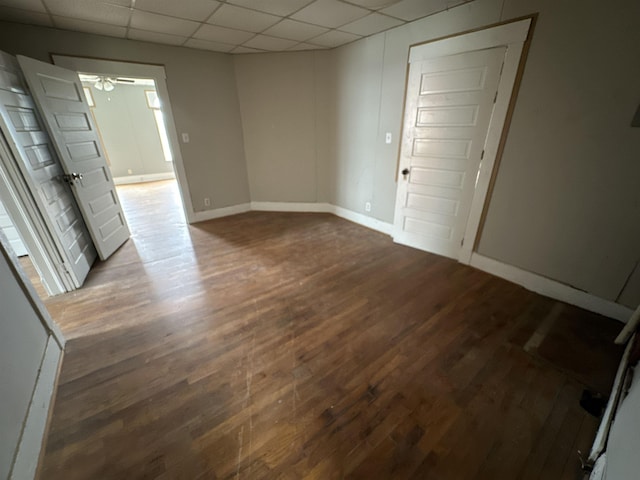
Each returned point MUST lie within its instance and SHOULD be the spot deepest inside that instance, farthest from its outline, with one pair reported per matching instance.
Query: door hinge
(482, 155)
(462, 242)
(495, 98)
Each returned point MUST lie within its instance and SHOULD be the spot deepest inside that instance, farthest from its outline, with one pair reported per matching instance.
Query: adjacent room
(319, 239)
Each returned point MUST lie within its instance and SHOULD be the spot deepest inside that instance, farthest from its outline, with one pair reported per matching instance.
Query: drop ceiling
(232, 26)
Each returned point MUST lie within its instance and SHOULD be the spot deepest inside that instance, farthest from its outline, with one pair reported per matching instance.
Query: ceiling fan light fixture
(99, 84)
(108, 85)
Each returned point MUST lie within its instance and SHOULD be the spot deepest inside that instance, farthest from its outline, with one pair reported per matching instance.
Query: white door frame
(513, 36)
(157, 73)
(17, 199)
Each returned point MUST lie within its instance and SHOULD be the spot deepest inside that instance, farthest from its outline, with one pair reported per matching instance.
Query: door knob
(405, 172)
(70, 177)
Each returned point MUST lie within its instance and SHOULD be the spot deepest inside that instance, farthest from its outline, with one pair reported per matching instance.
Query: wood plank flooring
(289, 346)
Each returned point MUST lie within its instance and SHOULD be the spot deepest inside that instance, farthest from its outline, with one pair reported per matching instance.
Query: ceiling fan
(106, 83)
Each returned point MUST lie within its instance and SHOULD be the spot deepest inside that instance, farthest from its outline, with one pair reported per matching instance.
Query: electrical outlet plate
(207, 202)
(367, 206)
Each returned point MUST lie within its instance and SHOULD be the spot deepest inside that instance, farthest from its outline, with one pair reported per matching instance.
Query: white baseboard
(220, 212)
(364, 220)
(530, 281)
(291, 207)
(355, 217)
(32, 439)
(551, 288)
(150, 177)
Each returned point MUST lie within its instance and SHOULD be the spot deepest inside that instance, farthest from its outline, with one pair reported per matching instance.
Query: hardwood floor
(288, 346)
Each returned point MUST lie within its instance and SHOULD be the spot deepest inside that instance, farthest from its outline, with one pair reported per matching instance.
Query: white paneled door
(448, 110)
(58, 93)
(36, 160)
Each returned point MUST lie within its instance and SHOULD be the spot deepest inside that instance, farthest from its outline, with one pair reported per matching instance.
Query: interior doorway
(110, 71)
(131, 124)
(130, 121)
(18, 193)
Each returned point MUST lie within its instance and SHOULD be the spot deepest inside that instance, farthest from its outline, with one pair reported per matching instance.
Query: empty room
(287, 239)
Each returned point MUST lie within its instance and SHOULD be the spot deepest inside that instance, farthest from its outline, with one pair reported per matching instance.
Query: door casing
(64, 111)
(513, 36)
(157, 73)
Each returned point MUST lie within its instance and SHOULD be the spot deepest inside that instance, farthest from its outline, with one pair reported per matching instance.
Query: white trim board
(355, 217)
(364, 220)
(551, 288)
(292, 207)
(32, 438)
(158, 74)
(220, 212)
(530, 281)
(512, 36)
(149, 177)
(18, 201)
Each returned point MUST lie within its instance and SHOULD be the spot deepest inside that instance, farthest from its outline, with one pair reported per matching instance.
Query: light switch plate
(185, 138)
(387, 138)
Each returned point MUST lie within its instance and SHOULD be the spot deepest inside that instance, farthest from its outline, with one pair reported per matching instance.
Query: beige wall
(22, 345)
(342, 102)
(202, 91)
(566, 203)
(283, 122)
(128, 129)
(369, 95)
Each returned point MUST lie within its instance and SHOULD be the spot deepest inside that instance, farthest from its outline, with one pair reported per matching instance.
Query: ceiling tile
(213, 33)
(242, 19)
(33, 5)
(371, 24)
(242, 49)
(198, 10)
(334, 38)
(163, 24)
(276, 7)
(205, 45)
(305, 46)
(156, 37)
(295, 30)
(413, 9)
(264, 42)
(330, 13)
(89, 27)
(92, 10)
(25, 16)
(372, 4)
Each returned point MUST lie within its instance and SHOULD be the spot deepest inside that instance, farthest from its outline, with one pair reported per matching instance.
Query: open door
(29, 159)
(59, 95)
